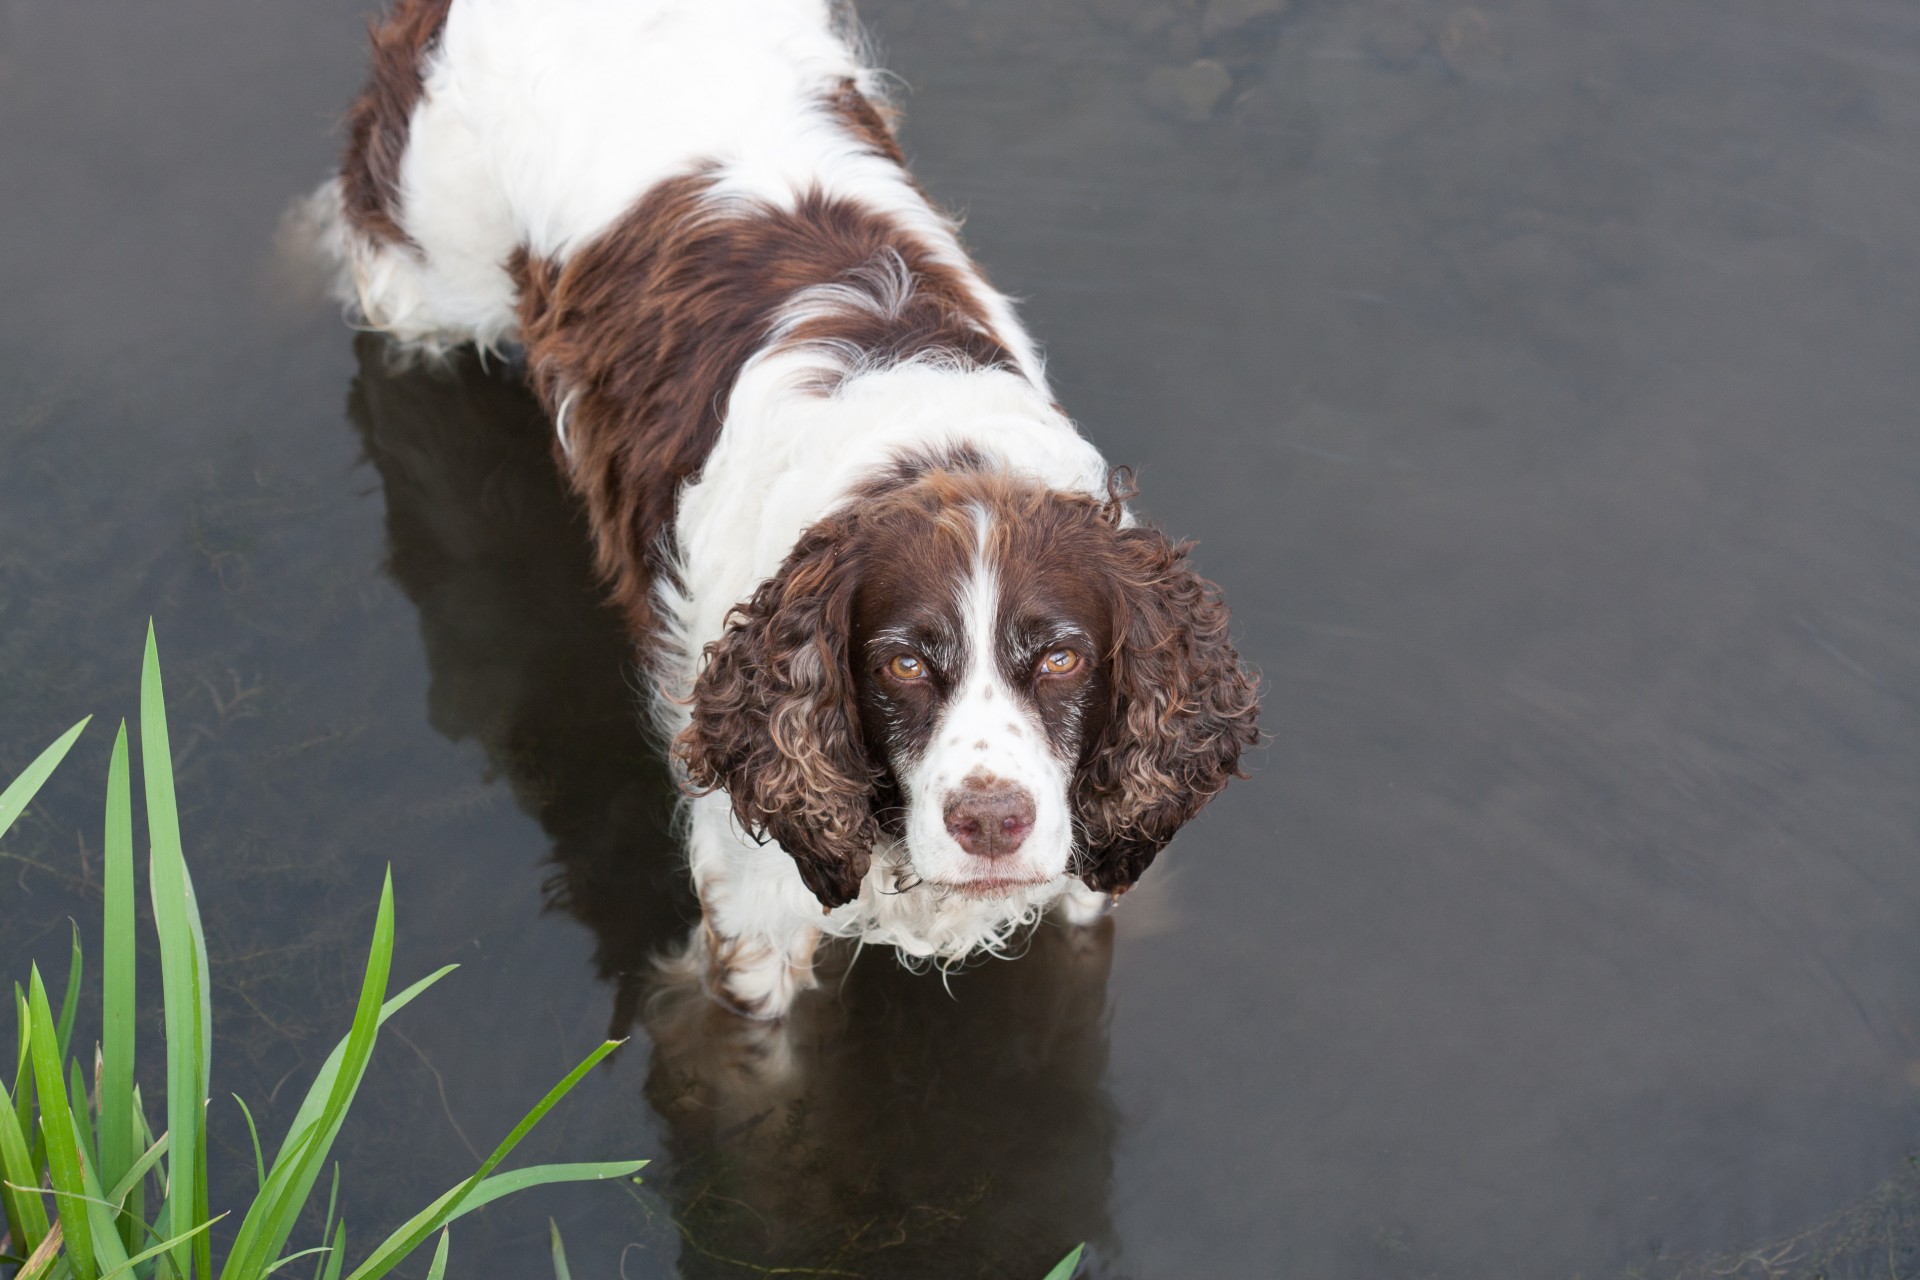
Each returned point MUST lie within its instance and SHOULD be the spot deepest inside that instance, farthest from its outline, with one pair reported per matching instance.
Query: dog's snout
(989, 818)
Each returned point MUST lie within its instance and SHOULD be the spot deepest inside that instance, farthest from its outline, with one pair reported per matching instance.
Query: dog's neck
(790, 455)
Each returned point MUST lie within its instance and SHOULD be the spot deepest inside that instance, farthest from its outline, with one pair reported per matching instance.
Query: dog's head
(1006, 678)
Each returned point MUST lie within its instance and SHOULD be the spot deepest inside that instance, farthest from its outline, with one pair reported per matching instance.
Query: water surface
(1539, 379)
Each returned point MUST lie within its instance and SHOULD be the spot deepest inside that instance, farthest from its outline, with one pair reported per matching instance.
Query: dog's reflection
(895, 1124)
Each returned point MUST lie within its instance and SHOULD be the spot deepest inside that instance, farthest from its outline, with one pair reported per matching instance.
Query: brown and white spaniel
(925, 675)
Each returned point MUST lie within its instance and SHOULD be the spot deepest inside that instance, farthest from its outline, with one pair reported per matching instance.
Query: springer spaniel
(923, 673)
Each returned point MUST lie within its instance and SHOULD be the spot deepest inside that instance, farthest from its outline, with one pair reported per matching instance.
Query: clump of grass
(78, 1174)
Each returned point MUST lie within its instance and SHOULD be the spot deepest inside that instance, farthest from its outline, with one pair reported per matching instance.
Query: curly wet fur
(1183, 712)
(774, 723)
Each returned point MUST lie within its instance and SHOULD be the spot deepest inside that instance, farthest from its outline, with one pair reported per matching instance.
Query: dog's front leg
(758, 927)
(1082, 906)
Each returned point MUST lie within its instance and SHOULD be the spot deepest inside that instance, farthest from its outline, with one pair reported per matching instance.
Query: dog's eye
(1059, 662)
(907, 667)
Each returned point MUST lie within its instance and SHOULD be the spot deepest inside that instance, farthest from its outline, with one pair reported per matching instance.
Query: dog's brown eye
(1059, 662)
(907, 667)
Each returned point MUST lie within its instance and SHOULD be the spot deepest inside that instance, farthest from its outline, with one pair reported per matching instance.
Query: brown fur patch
(378, 120)
(872, 122)
(641, 334)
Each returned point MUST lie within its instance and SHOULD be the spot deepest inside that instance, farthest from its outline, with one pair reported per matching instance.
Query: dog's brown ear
(1183, 710)
(775, 723)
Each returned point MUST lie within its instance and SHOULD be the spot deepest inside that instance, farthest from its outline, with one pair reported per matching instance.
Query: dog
(923, 674)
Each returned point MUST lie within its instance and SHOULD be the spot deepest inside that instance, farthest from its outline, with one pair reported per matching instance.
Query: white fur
(541, 124)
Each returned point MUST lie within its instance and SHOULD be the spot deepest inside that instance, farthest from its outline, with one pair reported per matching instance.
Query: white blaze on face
(988, 738)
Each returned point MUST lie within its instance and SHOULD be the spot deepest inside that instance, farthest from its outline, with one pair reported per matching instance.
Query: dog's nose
(989, 819)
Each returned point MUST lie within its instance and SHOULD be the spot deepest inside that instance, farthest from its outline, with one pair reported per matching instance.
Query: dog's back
(493, 128)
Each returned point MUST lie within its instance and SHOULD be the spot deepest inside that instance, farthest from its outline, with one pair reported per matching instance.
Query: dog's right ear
(775, 722)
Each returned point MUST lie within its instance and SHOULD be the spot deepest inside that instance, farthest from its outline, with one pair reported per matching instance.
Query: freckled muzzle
(992, 812)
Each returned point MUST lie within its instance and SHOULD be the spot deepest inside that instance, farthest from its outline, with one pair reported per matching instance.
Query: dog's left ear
(775, 723)
(1182, 711)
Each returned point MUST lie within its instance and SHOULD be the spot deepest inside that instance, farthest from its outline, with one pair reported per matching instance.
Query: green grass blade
(292, 1258)
(143, 1132)
(142, 1135)
(253, 1131)
(281, 1175)
(70, 1001)
(20, 792)
(77, 1090)
(540, 1110)
(438, 1270)
(337, 1259)
(203, 990)
(278, 1199)
(164, 1246)
(56, 1123)
(1065, 1268)
(461, 1200)
(560, 1269)
(397, 1247)
(117, 975)
(501, 1185)
(272, 1218)
(138, 1170)
(323, 1081)
(23, 1092)
(102, 1217)
(404, 1241)
(333, 1202)
(183, 974)
(457, 1202)
(22, 1063)
(26, 1213)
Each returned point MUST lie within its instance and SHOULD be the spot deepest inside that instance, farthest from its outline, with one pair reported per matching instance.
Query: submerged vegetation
(88, 1191)
(1876, 1239)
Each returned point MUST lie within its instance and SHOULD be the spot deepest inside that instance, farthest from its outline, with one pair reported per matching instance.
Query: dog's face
(981, 671)
(998, 676)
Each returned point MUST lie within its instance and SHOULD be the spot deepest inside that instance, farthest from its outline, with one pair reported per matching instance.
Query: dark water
(1539, 378)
